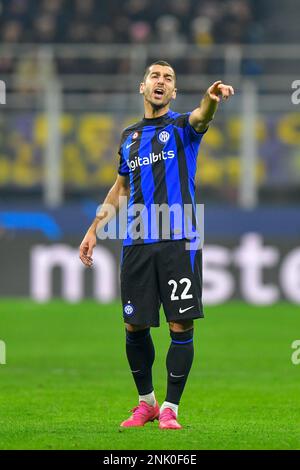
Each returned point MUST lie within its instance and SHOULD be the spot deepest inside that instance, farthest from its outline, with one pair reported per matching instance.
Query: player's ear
(174, 94)
(142, 87)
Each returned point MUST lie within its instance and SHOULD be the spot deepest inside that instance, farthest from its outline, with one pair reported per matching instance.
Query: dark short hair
(158, 62)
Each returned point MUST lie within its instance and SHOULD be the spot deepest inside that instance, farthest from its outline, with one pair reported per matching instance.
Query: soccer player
(158, 157)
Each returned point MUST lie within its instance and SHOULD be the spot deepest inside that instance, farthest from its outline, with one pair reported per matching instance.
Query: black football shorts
(164, 273)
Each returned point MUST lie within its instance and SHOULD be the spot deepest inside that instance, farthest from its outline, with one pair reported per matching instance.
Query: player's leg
(140, 354)
(140, 309)
(179, 361)
(180, 281)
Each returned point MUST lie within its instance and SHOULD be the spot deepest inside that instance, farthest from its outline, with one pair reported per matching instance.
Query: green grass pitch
(66, 383)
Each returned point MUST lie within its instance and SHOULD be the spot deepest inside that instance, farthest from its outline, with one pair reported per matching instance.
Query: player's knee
(137, 337)
(182, 337)
(181, 326)
(133, 328)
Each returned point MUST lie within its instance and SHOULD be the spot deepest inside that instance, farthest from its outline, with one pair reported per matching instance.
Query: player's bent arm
(204, 114)
(116, 197)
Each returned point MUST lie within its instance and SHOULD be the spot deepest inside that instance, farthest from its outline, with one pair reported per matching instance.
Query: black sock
(179, 361)
(140, 354)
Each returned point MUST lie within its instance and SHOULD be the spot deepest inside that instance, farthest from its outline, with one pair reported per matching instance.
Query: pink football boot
(141, 414)
(168, 420)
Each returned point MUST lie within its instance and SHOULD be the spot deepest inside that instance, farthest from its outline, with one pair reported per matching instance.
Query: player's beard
(157, 105)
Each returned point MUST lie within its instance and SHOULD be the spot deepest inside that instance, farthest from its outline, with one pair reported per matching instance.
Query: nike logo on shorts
(176, 376)
(182, 310)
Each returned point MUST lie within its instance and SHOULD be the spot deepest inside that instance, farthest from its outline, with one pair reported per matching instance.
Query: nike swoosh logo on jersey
(129, 145)
(176, 376)
(182, 310)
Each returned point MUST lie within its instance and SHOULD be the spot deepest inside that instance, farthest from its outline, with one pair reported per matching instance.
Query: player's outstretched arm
(115, 197)
(201, 116)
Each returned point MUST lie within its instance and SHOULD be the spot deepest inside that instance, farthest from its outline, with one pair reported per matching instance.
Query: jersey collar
(157, 120)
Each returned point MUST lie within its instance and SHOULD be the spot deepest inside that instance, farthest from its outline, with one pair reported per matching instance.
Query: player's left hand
(219, 90)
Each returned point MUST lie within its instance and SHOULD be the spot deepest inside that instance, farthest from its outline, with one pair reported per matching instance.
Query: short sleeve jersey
(160, 157)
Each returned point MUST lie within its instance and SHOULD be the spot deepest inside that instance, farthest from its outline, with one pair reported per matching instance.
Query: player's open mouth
(158, 92)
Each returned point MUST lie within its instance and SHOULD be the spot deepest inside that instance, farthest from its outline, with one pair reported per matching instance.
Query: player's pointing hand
(219, 90)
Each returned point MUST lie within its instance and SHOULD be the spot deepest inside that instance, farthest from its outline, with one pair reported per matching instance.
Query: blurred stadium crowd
(71, 69)
(131, 21)
(137, 22)
(98, 91)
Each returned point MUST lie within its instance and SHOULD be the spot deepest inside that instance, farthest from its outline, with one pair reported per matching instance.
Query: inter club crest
(128, 309)
(163, 136)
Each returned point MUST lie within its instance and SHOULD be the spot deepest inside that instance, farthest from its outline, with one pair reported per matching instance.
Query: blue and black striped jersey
(160, 157)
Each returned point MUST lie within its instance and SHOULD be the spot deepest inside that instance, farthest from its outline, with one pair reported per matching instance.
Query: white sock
(167, 404)
(149, 398)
